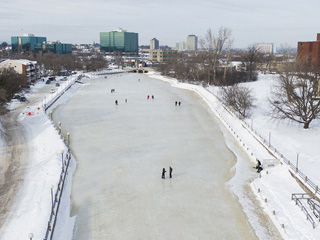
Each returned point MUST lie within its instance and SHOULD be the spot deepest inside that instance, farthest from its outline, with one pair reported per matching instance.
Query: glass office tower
(119, 41)
(26, 43)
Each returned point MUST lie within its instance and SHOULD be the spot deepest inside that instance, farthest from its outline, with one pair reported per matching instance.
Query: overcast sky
(81, 21)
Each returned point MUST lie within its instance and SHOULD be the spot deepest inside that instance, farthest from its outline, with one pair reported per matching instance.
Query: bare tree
(295, 96)
(239, 98)
(228, 58)
(213, 46)
(250, 59)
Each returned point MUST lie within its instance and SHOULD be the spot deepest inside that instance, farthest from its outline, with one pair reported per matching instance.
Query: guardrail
(305, 180)
(295, 197)
(56, 198)
(58, 95)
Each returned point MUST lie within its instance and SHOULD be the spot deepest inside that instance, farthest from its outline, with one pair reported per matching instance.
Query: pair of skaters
(176, 103)
(149, 97)
(164, 172)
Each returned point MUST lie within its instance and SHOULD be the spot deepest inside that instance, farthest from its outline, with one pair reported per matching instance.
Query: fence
(305, 180)
(296, 197)
(56, 198)
(58, 95)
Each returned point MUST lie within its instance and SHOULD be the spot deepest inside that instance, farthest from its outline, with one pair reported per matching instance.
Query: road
(15, 152)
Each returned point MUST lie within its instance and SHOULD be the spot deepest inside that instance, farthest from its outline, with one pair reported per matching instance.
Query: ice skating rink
(118, 192)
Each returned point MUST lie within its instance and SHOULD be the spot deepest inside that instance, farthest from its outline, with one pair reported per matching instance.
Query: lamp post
(30, 236)
(62, 157)
(297, 162)
(269, 138)
(68, 139)
(52, 195)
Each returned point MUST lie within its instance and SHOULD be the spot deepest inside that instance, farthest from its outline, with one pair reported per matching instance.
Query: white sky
(81, 21)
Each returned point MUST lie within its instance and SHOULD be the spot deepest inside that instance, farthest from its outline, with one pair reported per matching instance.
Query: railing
(305, 179)
(315, 208)
(295, 197)
(58, 95)
(56, 199)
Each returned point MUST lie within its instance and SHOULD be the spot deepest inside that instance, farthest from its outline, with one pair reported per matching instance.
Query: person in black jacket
(170, 171)
(163, 173)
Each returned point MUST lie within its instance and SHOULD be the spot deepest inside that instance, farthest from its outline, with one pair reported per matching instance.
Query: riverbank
(32, 205)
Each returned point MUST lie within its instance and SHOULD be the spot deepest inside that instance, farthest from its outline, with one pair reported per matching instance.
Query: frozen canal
(121, 149)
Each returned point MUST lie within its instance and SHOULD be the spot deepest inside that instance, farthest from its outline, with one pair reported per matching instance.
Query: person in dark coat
(170, 171)
(259, 166)
(179, 103)
(116, 102)
(176, 103)
(163, 173)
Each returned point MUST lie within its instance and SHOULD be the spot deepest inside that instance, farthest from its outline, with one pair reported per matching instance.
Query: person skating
(176, 103)
(163, 173)
(116, 102)
(170, 171)
(179, 103)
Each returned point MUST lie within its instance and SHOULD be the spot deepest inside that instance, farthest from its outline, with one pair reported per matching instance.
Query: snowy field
(32, 205)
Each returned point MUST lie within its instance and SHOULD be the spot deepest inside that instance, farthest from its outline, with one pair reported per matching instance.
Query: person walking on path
(170, 171)
(163, 173)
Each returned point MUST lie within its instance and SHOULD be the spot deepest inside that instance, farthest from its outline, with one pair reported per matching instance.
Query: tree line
(295, 96)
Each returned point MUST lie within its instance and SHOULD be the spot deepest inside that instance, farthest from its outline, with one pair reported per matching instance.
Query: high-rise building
(267, 48)
(154, 44)
(26, 43)
(309, 51)
(181, 46)
(30, 43)
(192, 43)
(119, 41)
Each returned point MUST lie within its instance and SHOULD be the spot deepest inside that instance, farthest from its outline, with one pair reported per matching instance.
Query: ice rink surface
(121, 149)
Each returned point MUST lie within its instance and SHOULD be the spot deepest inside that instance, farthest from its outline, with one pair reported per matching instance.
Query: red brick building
(309, 51)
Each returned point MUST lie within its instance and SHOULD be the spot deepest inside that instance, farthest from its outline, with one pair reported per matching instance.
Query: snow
(273, 187)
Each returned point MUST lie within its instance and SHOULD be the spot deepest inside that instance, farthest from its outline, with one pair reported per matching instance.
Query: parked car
(16, 96)
(48, 82)
(52, 78)
(22, 99)
(57, 84)
(52, 90)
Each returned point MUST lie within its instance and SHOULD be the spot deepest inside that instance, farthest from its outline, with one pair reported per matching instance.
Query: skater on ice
(179, 103)
(152, 97)
(176, 103)
(148, 97)
(163, 173)
(170, 171)
(116, 102)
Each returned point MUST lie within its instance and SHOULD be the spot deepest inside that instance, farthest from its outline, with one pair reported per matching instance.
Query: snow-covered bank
(32, 206)
(276, 185)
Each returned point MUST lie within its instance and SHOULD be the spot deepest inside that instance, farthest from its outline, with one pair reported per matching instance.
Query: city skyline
(76, 22)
